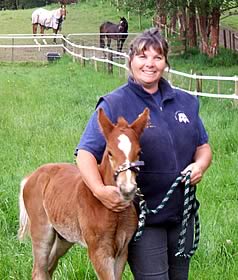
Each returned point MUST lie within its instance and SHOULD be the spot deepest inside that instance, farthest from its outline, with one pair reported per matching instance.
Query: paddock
(42, 120)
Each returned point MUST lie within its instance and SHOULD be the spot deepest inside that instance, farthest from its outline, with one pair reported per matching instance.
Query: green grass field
(44, 109)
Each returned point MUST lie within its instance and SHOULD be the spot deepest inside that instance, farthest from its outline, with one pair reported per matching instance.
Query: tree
(139, 7)
(209, 13)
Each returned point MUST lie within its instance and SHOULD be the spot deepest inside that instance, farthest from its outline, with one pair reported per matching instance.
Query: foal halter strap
(133, 166)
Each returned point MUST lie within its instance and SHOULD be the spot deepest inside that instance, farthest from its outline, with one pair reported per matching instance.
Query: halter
(133, 166)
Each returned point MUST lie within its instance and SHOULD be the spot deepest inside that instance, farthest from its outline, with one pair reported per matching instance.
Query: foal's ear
(141, 122)
(105, 124)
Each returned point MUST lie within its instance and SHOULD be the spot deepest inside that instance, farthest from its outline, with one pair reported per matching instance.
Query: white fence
(220, 87)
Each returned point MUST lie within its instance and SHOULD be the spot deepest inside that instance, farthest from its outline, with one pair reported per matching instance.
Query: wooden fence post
(236, 91)
(74, 53)
(233, 42)
(230, 39)
(109, 65)
(170, 78)
(119, 68)
(83, 55)
(190, 81)
(126, 71)
(64, 44)
(224, 36)
(199, 84)
(95, 61)
(218, 85)
(13, 49)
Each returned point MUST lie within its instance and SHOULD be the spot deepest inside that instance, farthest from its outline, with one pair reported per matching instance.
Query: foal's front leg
(104, 265)
(120, 264)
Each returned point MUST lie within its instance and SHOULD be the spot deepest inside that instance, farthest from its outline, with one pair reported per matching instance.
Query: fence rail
(196, 84)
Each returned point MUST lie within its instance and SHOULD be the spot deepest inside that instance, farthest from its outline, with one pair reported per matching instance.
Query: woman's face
(147, 69)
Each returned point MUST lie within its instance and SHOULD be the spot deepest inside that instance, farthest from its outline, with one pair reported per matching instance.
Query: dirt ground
(28, 54)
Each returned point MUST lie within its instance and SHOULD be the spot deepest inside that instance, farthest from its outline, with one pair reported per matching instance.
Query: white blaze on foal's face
(128, 184)
(124, 145)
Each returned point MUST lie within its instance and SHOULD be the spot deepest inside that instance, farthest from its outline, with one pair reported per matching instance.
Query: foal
(57, 209)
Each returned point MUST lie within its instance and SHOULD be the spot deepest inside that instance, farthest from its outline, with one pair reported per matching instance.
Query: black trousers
(152, 257)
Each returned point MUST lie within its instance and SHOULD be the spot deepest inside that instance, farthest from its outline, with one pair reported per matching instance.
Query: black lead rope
(190, 203)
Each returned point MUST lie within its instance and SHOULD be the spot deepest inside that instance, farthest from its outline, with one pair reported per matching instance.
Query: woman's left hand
(202, 160)
(196, 173)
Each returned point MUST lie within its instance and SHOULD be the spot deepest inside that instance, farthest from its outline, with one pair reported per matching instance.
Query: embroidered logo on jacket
(181, 117)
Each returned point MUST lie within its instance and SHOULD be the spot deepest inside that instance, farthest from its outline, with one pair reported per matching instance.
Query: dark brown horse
(113, 31)
(57, 209)
(48, 20)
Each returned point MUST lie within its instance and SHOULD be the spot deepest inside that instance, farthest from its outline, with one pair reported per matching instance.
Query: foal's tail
(23, 218)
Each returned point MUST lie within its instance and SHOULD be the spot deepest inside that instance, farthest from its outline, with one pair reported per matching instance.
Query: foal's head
(123, 150)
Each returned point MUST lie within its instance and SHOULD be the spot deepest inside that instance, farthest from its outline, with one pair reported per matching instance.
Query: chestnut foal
(57, 209)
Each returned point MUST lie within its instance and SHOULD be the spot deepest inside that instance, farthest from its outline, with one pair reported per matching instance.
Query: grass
(44, 110)
(81, 18)
(231, 21)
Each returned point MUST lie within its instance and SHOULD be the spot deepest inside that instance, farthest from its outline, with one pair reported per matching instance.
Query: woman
(174, 142)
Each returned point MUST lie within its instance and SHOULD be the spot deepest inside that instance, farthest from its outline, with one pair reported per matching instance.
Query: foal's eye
(110, 154)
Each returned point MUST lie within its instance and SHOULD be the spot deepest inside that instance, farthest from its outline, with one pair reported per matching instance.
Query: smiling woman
(165, 152)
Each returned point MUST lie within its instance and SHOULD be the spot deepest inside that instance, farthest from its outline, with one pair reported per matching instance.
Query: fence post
(64, 44)
(224, 36)
(74, 53)
(82, 55)
(218, 85)
(170, 78)
(190, 81)
(12, 49)
(230, 39)
(119, 68)
(126, 71)
(233, 41)
(236, 91)
(109, 65)
(95, 61)
(199, 84)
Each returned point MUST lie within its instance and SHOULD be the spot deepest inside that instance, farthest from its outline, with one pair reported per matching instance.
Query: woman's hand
(110, 197)
(196, 173)
(202, 160)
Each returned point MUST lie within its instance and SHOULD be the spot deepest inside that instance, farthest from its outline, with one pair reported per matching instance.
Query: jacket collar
(165, 89)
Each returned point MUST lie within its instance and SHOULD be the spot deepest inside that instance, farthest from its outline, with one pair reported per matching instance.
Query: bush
(225, 58)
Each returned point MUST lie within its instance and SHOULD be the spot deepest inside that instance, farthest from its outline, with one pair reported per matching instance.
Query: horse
(112, 29)
(57, 209)
(48, 20)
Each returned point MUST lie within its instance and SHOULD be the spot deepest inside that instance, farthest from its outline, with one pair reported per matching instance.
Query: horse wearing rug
(57, 209)
(112, 29)
(48, 19)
